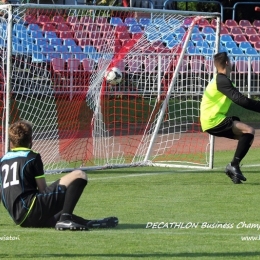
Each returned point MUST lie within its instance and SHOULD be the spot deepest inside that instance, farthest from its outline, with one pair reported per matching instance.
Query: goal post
(53, 66)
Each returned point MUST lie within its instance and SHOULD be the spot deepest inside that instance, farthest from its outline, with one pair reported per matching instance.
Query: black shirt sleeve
(225, 86)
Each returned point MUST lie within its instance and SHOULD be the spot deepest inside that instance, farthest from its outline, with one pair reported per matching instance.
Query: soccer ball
(114, 76)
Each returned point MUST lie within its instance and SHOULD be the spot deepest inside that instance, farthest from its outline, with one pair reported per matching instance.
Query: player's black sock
(72, 196)
(243, 146)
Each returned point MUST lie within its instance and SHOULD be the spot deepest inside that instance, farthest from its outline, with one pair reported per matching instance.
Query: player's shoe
(234, 172)
(70, 225)
(109, 222)
(233, 178)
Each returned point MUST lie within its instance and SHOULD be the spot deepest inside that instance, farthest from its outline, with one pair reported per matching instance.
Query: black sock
(243, 146)
(72, 196)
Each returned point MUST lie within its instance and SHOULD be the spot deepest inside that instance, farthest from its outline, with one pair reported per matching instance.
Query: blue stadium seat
(52, 55)
(165, 29)
(55, 41)
(210, 38)
(75, 49)
(180, 30)
(238, 54)
(41, 41)
(33, 27)
(37, 34)
(66, 56)
(195, 29)
(168, 37)
(33, 48)
(50, 34)
(173, 22)
(69, 42)
(144, 22)
(18, 49)
(225, 38)
(195, 37)
(193, 50)
(158, 22)
(61, 48)
(38, 57)
(207, 30)
(172, 43)
(80, 56)
(135, 29)
(230, 45)
(116, 21)
(252, 52)
(153, 36)
(130, 21)
(202, 44)
(244, 45)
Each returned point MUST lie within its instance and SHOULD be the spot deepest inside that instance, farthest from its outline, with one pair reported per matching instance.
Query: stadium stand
(68, 43)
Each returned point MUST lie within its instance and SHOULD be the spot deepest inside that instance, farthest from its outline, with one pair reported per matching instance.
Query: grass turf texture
(140, 195)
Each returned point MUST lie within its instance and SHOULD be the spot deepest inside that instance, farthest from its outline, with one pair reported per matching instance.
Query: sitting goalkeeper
(27, 198)
(215, 104)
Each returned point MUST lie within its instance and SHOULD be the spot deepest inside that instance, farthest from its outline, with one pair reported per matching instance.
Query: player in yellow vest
(216, 101)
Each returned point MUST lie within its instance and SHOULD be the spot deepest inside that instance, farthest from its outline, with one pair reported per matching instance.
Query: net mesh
(59, 59)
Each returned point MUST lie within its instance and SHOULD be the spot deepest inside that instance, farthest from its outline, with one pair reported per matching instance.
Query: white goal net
(53, 66)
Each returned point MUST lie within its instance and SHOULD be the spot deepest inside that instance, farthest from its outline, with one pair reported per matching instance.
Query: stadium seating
(230, 23)
(245, 23)
(257, 46)
(72, 41)
(144, 22)
(244, 45)
(130, 21)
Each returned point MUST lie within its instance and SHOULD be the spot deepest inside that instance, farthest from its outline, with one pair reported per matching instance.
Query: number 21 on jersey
(7, 171)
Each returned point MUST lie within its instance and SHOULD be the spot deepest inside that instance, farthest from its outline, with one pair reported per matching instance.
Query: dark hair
(220, 59)
(20, 134)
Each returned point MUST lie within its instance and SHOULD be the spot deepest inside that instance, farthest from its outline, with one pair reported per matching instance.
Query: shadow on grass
(131, 226)
(155, 255)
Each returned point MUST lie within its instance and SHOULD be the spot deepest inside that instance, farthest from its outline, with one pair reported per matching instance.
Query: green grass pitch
(138, 196)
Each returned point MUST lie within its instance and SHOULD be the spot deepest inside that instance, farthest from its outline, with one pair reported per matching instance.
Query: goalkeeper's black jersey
(19, 169)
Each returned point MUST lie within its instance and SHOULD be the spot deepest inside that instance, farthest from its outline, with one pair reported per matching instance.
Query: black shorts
(46, 205)
(224, 129)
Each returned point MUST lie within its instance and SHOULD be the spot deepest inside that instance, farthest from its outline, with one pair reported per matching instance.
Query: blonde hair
(20, 134)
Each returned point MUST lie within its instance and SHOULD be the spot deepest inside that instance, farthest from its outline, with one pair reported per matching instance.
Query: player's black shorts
(46, 205)
(224, 129)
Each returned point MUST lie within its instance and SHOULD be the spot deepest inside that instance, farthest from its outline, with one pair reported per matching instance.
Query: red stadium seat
(86, 19)
(213, 23)
(240, 38)
(224, 30)
(250, 31)
(77, 27)
(66, 35)
(90, 27)
(48, 27)
(253, 38)
(236, 31)
(43, 19)
(101, 20)
(80, 34)
(59, 19)
(256, 24)
(203, 22)
(84, 41)
(72, 19)
(62, 27)
(245, 23)
(30, 18)
(230, 23)
(257, 46)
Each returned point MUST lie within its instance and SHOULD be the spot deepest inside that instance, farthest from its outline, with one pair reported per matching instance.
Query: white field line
(160, 173)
